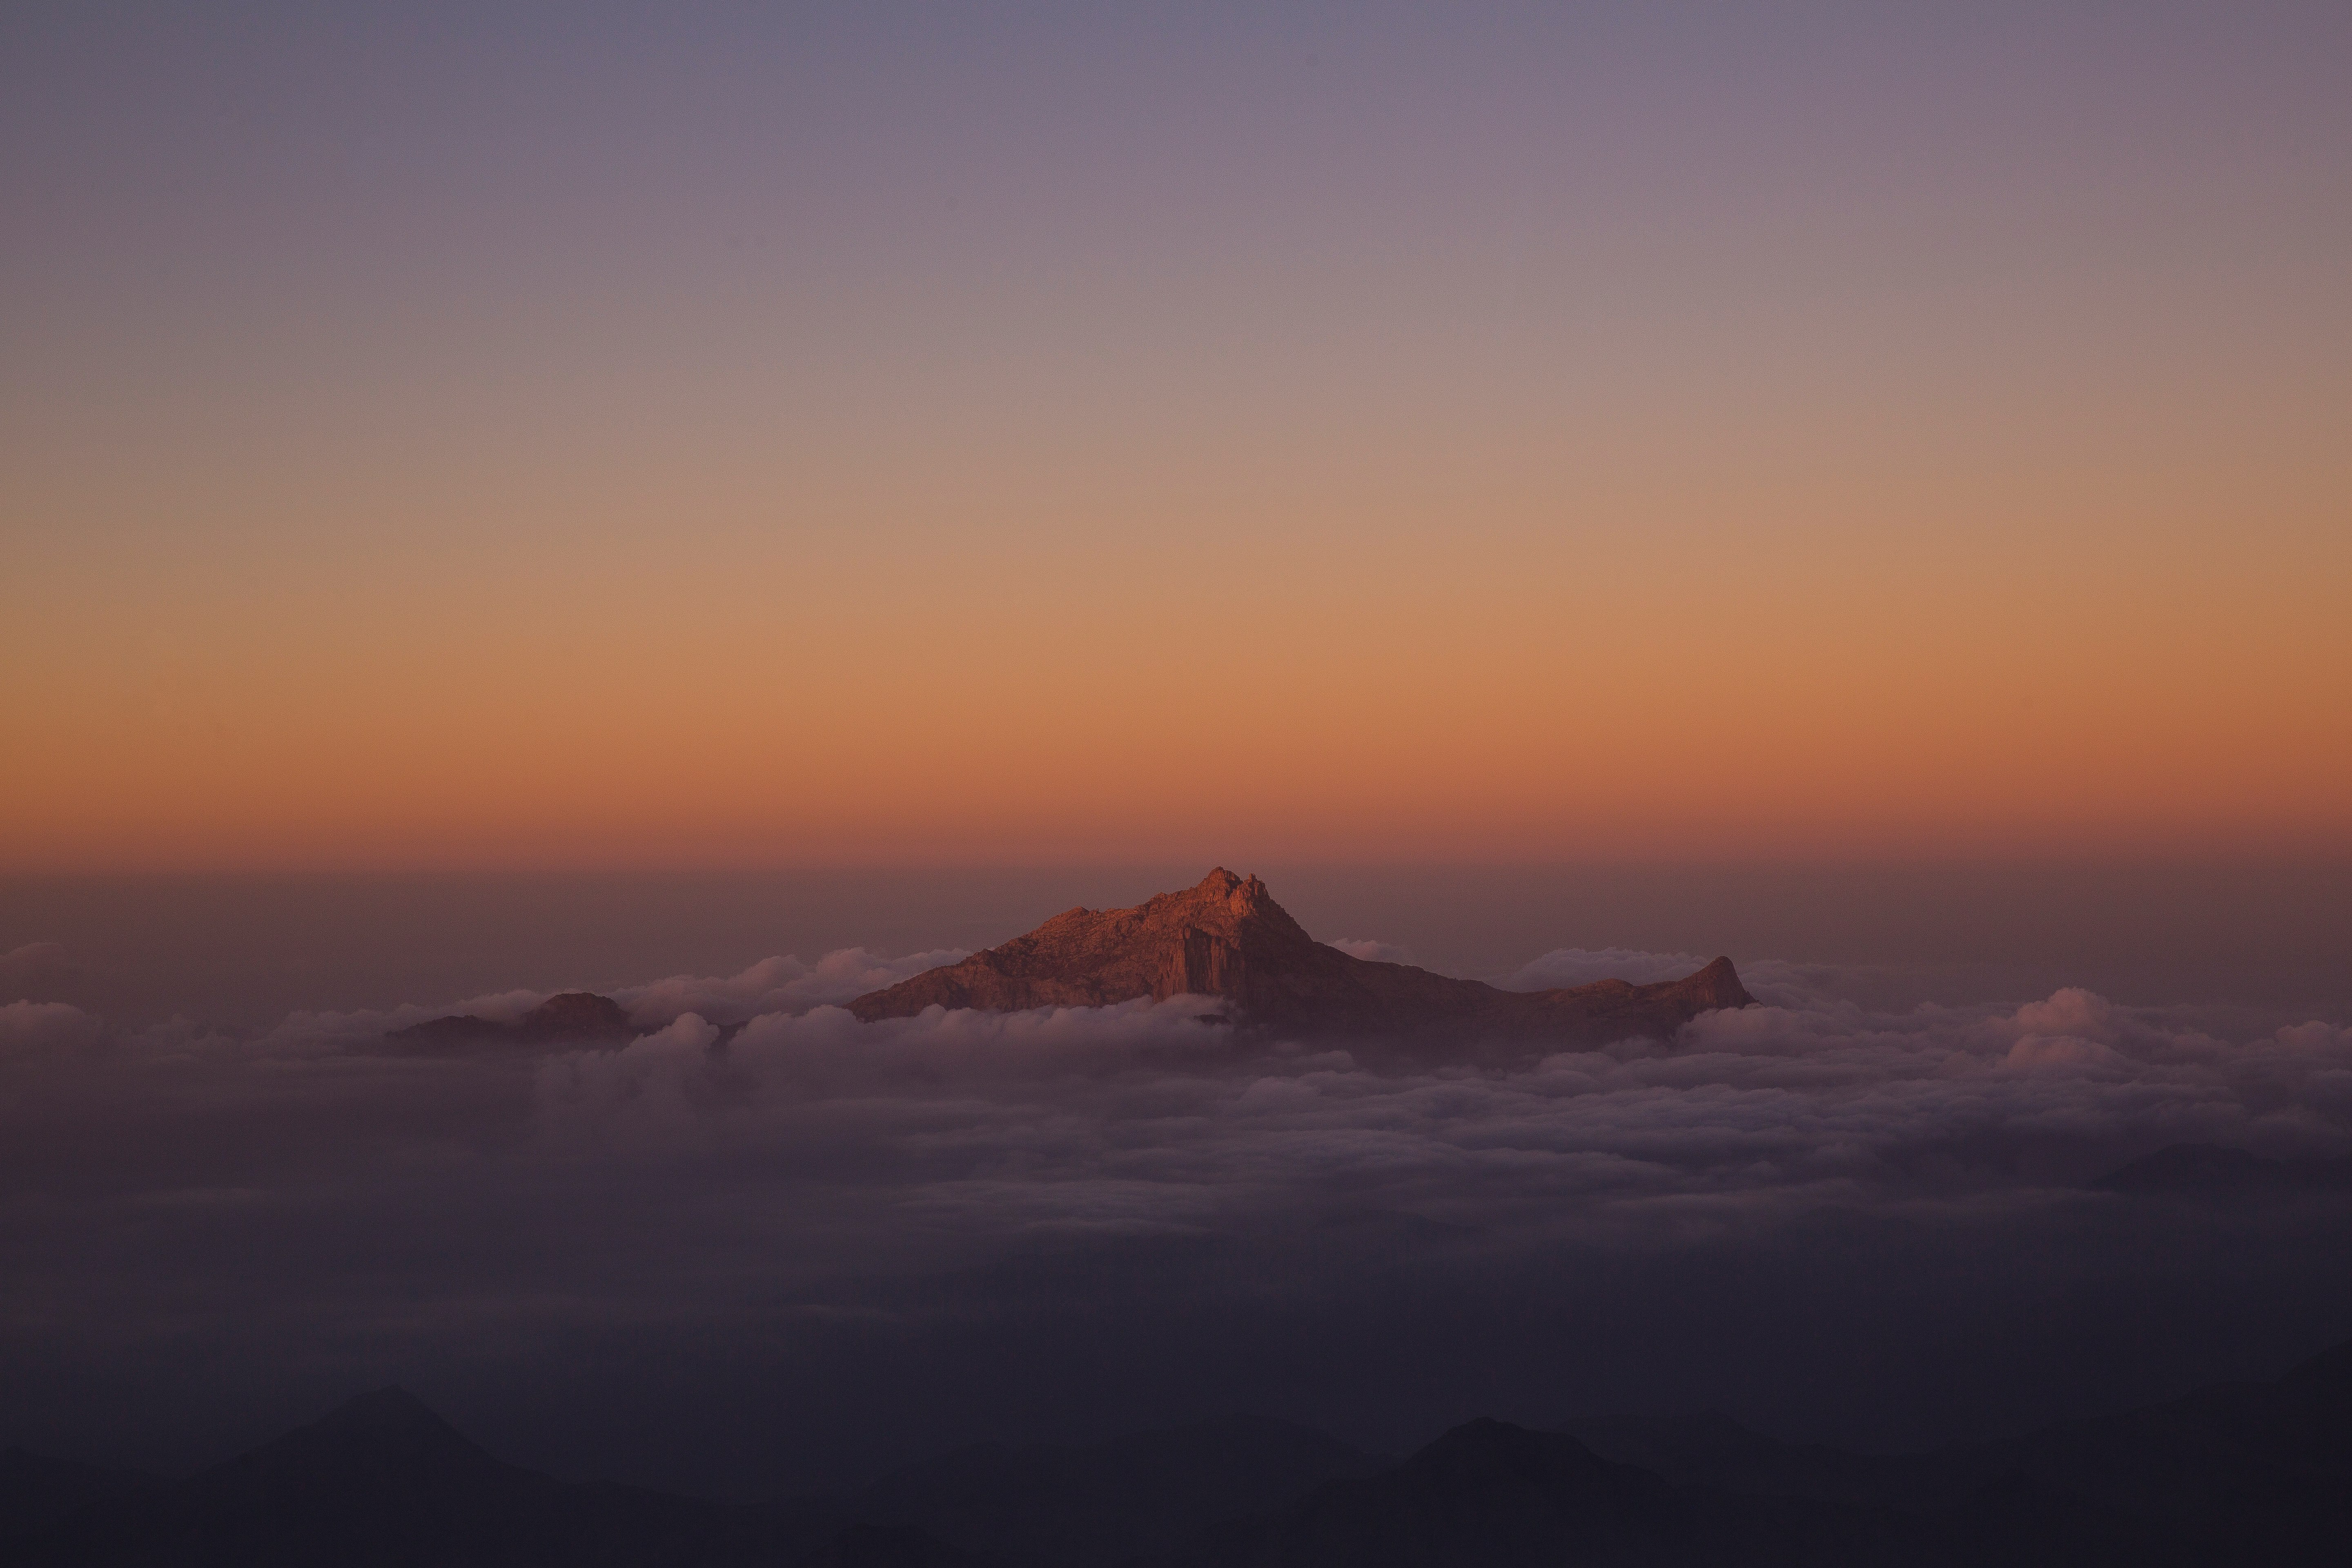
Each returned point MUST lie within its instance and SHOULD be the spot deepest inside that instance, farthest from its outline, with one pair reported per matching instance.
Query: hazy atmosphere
(1861, 1213)
(497, 435)
(1212, 786)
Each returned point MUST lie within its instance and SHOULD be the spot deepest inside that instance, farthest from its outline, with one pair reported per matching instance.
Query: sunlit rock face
(1226, 937)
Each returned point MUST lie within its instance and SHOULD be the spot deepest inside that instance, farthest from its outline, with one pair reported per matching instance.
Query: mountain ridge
(568, 1017)
(2252, 1472)
(1226, 937)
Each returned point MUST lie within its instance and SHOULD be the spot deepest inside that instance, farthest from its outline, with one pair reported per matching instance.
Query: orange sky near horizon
(1301, 472)
(1403, 682)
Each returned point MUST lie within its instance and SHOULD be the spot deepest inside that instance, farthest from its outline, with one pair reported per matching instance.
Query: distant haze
(243, 951)
(730, 507)
(806, 1247)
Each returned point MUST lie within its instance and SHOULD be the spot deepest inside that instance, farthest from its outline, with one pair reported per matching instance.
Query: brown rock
(1227, 938)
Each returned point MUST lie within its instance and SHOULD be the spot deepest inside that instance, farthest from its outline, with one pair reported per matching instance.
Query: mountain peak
(384, 1431)
(385, 1420)
(1225, 903)
(1225, 937)
(1225, 884)
(1486, 1441)
(382, 1409)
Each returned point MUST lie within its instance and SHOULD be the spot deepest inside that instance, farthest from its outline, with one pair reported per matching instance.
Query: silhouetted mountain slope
(1714, 1450)
(574, 1017)
(38, 1494)
(2264, 1469)
(2209, 1170)
(880, 1546)
(2244, 1472)
(1136, 1497)
(1227, 938)
(1500, 1496)
(384, 1482)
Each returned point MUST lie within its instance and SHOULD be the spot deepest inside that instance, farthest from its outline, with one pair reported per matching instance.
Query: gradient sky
(502, 435)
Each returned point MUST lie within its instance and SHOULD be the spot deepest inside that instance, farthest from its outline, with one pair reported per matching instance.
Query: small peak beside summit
(1718, 983)
(576, 1015)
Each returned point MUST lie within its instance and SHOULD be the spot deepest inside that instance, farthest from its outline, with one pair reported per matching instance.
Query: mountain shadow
(2211, 1171)
(39, 1494)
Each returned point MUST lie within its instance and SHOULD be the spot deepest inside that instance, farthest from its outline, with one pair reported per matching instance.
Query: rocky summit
(1227, 938)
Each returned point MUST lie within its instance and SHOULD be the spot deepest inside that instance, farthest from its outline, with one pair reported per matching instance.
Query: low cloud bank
(1787, 1106)
(781, 985)
(1582, 967)
(1812, 1096)
(1135, 1203)
(774, 985)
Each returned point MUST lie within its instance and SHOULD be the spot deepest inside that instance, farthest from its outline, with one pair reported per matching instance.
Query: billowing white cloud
(778, 985)
(1822, 1103)
(1377, 952)
(809, 1168)
(781, 985)
(1566, 966)
(1757, 1100)
(362, 1028)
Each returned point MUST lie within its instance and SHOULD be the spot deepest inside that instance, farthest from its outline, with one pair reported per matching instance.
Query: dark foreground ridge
(1227, 938)
(2209, 1171)
(2243, 1473)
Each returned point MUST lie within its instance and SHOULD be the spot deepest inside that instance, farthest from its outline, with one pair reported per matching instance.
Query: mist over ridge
(761, 1223)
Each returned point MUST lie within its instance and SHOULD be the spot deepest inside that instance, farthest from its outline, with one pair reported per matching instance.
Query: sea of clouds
(1119, 1178)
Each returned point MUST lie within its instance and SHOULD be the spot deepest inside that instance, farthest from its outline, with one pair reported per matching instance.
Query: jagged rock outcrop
(570, 1017)
(1227, 938)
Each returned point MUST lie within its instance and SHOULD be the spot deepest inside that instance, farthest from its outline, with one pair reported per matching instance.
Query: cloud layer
(1138, 1206)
